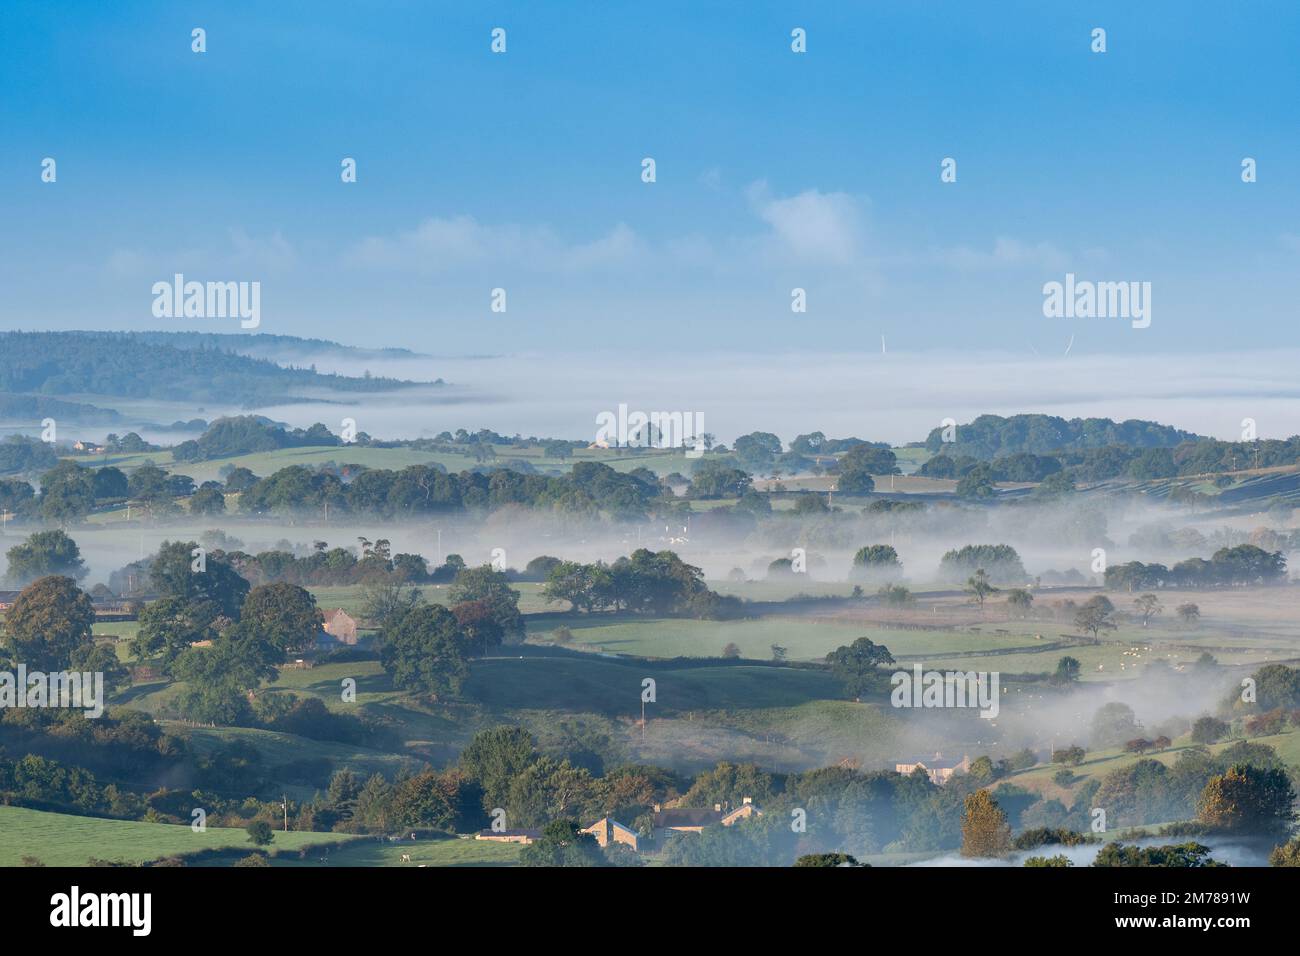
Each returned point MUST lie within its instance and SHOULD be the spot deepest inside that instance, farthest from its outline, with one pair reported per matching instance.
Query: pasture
(1101, 762)
(278, 749)
(456, 852)
(61, 839)
(805, 638)
(783, 717)
(612, 686)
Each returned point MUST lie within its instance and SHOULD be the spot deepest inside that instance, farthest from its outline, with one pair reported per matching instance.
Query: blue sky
(775, 170)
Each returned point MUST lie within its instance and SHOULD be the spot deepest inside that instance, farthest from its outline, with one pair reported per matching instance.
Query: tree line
(1244, 565)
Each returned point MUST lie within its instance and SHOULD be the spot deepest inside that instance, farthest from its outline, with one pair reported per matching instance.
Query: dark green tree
(424, 652)
(169, 625)
(857, 665)
(1193, 855)
(283, 614)
(44, 553)
(260, 833)
(175, 572)
(49, 621)
(1067, 671)
(494, 757)
(67, 493)
(493, 588)
(828, 859)
(208, 501)
(562, 843)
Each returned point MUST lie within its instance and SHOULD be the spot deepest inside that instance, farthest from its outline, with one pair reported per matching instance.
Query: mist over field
(896, 397)
(681, 436)
(1050, 537)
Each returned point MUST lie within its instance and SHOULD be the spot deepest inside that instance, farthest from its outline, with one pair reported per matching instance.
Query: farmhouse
(686, 819)
(115, 611)
(938, 775)
(7, 599)
(695, 819)
(607, 831)
(341, 626)
(508, 836)
(746, 810)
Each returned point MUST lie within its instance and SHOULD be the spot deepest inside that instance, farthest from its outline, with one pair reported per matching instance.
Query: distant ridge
(194, 368)
(32, 408)
(993, 436)
(263, 345)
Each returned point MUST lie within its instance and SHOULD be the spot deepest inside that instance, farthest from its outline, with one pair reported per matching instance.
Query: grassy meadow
(454, 852)
(1101, 762)
(805, 638)
(61, 839)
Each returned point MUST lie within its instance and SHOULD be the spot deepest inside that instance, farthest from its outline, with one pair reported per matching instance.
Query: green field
(426, 735)
(462, 851)
(613, 686)
(123, 632)
(781, 717)
(60, 839)
(813, 734)
(278, 749)
(1101, 762)
(910, 459)
(707, 709)
(805, 638)
(1106, 662)
(781, 589)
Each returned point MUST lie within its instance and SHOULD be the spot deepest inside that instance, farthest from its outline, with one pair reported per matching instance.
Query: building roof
(687, 817)
(933, 762)
(612, 823)
(740, 812)
(330, 615)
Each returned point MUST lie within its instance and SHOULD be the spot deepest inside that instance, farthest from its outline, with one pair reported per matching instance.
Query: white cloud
(809, 228)
(273, 253)
(824, 227)
(738, 392)
(243, 256)
(438, 244)
(1007, 253)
